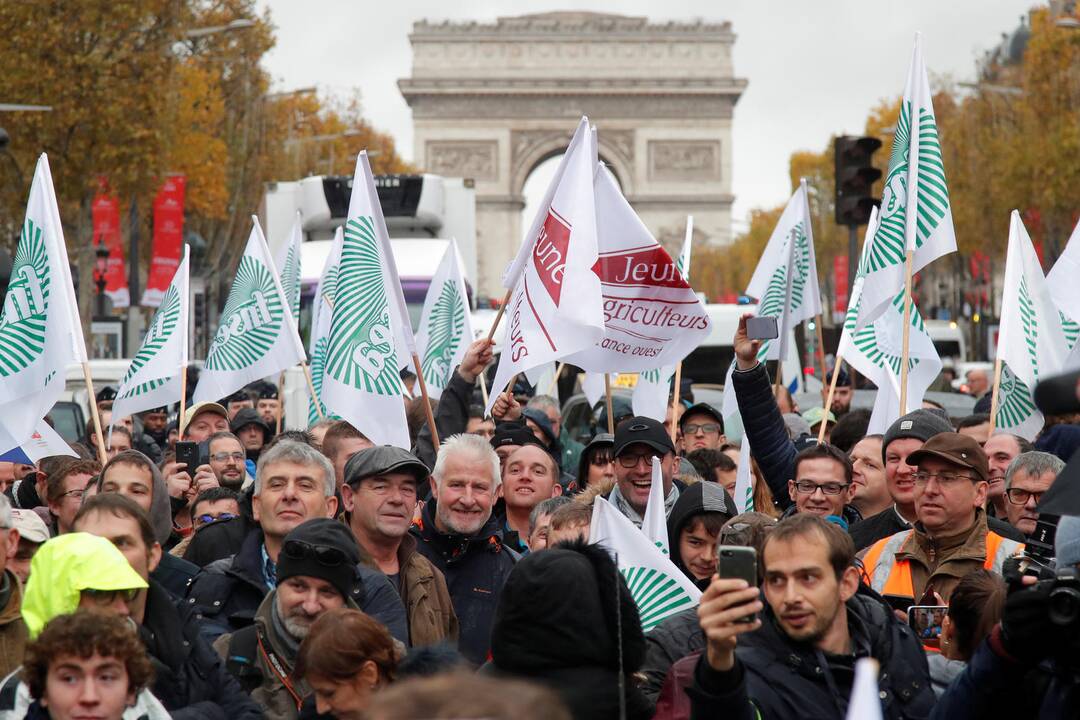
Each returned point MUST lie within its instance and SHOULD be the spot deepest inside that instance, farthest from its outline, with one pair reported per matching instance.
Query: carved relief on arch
(528, 148)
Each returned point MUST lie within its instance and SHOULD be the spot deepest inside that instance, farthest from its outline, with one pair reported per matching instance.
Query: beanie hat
(919, 424)
(1067, 541)
(321, 548)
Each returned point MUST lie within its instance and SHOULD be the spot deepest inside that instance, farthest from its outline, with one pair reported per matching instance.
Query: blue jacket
(228, 592)
(764, 426)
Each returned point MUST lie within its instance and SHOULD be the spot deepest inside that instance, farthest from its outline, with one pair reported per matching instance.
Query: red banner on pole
(840, 282)
(168, 239)
(105, 214)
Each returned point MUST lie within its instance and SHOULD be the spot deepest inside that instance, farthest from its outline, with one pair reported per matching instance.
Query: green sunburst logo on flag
(251, 320)
(22, 325)
(445, 327)
(656, 593)
(161, 329)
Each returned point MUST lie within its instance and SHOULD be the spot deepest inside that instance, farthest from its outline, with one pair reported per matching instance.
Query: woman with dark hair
(975, 606)
(597, 463)
(344, 659)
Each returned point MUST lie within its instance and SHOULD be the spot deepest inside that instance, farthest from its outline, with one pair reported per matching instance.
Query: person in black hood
(567, 620)
(253, 430)
(694, 526)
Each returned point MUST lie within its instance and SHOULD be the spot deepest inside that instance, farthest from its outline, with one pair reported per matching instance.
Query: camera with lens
(1064, 597)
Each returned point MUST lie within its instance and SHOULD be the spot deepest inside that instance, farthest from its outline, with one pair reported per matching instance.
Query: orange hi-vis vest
(889, 575)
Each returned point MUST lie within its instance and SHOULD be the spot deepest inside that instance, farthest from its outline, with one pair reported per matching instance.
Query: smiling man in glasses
(637, 441)
(822, 484)
(950, 539)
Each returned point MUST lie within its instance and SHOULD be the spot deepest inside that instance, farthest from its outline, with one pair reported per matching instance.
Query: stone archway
(492, 101)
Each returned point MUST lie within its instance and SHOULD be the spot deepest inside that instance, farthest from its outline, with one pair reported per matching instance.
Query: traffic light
(855, 177)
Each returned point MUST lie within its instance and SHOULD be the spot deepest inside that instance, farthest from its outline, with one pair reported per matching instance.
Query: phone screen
(926, 621)
(761, 328)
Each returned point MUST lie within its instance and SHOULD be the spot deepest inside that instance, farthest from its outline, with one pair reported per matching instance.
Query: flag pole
(103, 457)
(483, 388)
(994, 396)
(427, 402)
(555, 380)
(821, 348)
(607, 394)
(828, 400)
(907, 332)
(183, 403)
(779, 372)
(311, 389)
(498, 315)
(281, 395)
(675, 402)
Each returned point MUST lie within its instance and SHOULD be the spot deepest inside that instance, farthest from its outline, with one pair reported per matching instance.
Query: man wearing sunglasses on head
(950, 538)
(316, 572)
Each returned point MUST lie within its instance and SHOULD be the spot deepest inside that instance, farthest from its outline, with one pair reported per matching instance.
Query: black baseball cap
(645, 430)
(703, 408)
(381, 460)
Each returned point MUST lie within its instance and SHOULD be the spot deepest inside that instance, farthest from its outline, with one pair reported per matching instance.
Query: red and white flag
(555, 307)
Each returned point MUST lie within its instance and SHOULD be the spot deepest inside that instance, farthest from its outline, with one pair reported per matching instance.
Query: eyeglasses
(323, 554)
(207, 518)
(705, 429)
(104, 598)
(807, 487)
(1018, 496)
(944, 479)
(631, 461)
(77, 494)
(223, 456)
(601, 459)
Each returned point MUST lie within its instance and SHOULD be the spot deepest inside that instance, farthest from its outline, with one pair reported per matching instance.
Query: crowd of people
(287, 573)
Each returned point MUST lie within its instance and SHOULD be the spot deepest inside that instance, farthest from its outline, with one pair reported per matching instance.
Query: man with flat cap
(380, 497)
(637, 440)
(950, 538)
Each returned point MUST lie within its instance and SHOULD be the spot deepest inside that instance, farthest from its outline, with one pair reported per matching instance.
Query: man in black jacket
(189, 679)
(294, 482)
(799, 660)
(461, 537)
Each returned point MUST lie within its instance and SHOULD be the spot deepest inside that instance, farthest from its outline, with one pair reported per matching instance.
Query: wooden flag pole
(555, 380)
(498, 315)
(311, 389)
(281, 395)
(610, 411)
(427, 402)
(821, 349)
(828, 400)
(779, 373)
(103, 456)
(483, 389)
(675, 402)
(183, 403)
(994, 396)
(907, 332)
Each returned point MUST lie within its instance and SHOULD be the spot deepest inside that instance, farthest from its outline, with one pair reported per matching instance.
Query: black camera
(1064, 599)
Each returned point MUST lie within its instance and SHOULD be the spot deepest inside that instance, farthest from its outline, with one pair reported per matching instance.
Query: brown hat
(955, 449)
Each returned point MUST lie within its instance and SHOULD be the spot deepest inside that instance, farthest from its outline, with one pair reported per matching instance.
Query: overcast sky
(814, 68)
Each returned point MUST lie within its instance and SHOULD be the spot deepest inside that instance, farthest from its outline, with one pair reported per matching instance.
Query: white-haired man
(458, 534)
(294, 483)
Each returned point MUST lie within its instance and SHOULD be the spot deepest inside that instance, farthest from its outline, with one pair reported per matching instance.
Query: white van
(948, 339)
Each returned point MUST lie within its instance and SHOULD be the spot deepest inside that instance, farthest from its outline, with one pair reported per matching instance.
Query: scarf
(290, 644)
(623, 505)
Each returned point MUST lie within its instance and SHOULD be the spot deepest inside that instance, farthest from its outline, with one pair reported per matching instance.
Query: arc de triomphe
(493, 101)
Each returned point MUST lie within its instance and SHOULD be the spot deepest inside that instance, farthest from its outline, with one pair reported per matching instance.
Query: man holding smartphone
(797, 657)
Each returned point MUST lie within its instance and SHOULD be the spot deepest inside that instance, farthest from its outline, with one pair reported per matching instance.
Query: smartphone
(761, 328)
(735, 561)
(188, 454)
(926, 621)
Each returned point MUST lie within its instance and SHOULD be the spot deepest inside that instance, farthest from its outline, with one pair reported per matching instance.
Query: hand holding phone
(761, 328)
(735, 561)
(926, 621)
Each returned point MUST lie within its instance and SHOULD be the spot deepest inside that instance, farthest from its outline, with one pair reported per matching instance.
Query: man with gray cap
(905, 436)
(316, 572)
(380, 496)
(922, 566)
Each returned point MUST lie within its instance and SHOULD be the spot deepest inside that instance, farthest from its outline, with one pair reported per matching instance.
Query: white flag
(560, 252)
(1030, 345)
(744, 483)
(44, 442)
(876, 350)
(592, 384)
(865, 702)
(321, 314)
(652, 317)
(370, 327)
(445, 329)
(40, 330)
(683, 263)
(915, 210)
(256, 335)
(153, 377)
(1065, 291)
(651, 393)
(288, 262)
(654, 524)
(658, 587)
